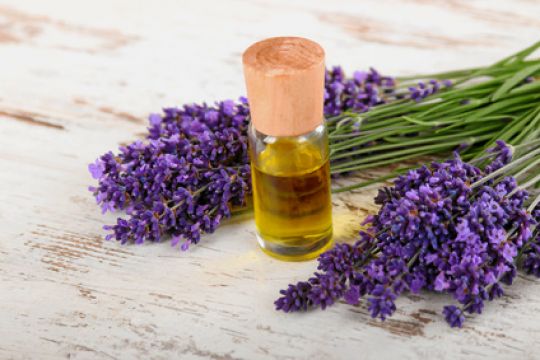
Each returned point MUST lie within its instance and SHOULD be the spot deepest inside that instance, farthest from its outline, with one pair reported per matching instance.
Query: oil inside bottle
(291, 198)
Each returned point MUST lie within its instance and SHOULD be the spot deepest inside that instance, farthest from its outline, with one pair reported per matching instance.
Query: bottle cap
(285, 85)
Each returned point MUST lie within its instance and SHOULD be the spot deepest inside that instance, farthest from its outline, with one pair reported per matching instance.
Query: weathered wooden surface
(77, 79)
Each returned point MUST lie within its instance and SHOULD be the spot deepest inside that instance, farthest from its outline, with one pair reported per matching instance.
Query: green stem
(529, 166)
(505, 168)
(380, 163)
(432, 148)
(409, 142)
(525, 185)
(534, 203)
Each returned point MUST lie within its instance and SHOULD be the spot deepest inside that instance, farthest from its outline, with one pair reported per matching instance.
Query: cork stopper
(285, 85)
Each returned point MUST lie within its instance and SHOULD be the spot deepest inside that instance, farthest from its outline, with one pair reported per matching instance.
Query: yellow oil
(291, 199)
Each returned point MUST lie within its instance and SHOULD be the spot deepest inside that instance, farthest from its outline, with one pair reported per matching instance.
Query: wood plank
(78, 79)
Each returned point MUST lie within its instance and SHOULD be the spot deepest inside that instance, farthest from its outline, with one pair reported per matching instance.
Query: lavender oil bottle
(289, 147)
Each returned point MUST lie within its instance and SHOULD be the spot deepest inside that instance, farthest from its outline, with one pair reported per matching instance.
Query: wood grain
(79, 78)
(285, 84)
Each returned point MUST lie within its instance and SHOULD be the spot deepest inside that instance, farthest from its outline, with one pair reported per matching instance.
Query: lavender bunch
(436, 113)
(188, 177)
(448, 227)
(194, 167)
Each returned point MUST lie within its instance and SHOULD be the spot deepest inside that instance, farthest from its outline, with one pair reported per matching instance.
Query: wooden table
(78, 79)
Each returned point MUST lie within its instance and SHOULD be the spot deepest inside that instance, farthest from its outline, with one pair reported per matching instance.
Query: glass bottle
(289, 147)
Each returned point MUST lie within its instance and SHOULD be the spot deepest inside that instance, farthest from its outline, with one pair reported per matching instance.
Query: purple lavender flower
(326, 289)
(423, 90)
(382, 304)
(531, 249)
(434, 231)
(454, 316)
(196, 206)
(352, 295)
(341, 259)
(531, 263)
(295, 298)
(97, 169)
(184, 180)
(504, 156)
(322, 290)
(364, 90)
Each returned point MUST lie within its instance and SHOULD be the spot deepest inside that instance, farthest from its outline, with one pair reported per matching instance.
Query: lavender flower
(423, 90)
(504, 155)
(381, 304)
(184, 180)
(433, 231)
(531, 250)
(453, 316)
(295, 298)
(364, 90)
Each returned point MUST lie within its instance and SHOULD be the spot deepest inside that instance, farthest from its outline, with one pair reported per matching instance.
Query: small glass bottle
(289, 147)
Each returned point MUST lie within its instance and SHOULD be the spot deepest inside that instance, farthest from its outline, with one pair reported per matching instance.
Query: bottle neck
(315, 131)
(281, 155)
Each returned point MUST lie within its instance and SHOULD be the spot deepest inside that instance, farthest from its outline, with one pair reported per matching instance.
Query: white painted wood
(78, 79)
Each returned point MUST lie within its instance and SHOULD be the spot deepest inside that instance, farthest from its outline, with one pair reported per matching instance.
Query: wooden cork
(285, 85)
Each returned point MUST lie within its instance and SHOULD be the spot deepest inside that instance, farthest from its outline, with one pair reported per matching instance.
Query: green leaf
(519, 56)
(529, 130)
(531, 87)
(514, 80)
(420, 122)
